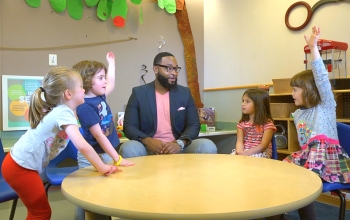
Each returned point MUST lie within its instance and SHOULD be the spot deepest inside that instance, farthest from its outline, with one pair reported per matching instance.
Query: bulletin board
(16, 95)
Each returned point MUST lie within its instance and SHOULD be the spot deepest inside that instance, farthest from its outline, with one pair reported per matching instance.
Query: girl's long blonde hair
(50, 94)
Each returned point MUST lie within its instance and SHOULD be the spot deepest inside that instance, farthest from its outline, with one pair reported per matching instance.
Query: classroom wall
(25, 27)
(237, 43)
(247, 42)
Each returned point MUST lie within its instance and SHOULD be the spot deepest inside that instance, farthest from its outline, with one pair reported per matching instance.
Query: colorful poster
(16, 94)
(207, 116)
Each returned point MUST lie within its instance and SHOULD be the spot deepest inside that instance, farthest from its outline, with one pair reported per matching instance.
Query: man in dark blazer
(161, 117)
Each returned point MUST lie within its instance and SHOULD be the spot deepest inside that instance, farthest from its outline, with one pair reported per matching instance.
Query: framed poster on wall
(16, 94)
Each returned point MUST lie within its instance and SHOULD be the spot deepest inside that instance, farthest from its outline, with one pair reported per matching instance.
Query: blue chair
(56, 172)
(344, 140)
(274, 148)
(6, 192)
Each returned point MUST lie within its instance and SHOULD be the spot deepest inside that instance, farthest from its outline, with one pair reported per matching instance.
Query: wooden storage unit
(343, 115)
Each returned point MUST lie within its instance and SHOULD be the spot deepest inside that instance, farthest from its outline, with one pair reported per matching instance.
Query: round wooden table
(194, 186)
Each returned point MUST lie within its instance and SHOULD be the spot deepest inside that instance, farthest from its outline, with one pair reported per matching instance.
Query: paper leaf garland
(136, 2)
(104, 9)
(33, 3)
(58, 5)
(91, 3)
(75, 9)
(170, 5)
(117, 9)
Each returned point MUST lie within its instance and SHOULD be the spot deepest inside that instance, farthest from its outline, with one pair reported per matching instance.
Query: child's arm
(312, 42)
(110, 75)
(319, 71)
(106, 145)
(265, 142)
(239, 142)
(88, 152)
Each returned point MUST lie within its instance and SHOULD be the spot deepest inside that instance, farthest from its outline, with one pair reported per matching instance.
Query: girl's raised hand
(110, 57)
(315, 34)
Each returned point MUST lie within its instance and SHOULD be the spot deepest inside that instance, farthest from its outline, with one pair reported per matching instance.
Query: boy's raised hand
(110, 57)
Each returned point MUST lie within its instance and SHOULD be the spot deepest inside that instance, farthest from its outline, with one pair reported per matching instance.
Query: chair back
(69, 152)
(2, 156)
(343, 135)
(6, 192)
(274, 148)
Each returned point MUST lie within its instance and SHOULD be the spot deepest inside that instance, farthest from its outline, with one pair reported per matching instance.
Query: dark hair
(159, 57)
(306, 81)
(87, 70)
(261, 100)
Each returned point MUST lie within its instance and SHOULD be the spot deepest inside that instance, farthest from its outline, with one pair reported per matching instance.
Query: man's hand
(171, 148)
(154, 145)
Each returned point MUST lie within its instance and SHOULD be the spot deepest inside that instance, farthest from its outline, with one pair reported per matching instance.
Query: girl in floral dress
(315, 122)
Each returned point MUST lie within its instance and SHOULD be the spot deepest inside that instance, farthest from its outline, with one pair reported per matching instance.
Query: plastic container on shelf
(333, 54)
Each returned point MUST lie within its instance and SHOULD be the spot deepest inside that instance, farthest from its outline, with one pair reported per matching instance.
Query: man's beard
(165, 83)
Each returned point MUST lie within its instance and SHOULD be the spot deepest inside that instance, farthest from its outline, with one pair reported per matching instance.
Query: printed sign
(16, 95)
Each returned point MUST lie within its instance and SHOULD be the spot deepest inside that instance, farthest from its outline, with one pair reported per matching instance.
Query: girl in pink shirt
(255, 128)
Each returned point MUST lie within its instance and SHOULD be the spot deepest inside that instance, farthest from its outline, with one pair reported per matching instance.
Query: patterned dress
(253, 135)
(317, 134)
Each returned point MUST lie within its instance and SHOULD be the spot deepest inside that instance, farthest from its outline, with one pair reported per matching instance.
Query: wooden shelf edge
(332, 200)
(284, 151)
(347, 120)
(288, 93)
(283, 119)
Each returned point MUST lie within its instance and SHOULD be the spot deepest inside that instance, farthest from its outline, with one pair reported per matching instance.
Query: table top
(195, 186)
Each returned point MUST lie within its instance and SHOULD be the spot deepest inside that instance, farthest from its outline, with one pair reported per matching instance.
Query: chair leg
(47, 187)
(342, 204)
(13, 209)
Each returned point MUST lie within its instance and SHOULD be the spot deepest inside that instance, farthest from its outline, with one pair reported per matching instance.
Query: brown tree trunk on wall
(184, 27)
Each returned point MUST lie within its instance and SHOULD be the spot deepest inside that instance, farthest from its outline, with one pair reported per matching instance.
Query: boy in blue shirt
(95, 115)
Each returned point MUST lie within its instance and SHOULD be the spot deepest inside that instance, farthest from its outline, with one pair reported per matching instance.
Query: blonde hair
(306, 81)
(87, 70)
(54, 84)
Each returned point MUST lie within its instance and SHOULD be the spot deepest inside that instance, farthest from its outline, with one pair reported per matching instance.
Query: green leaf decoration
(91, 3)
(104, 9)
(161, 4)
(119, 8)
(136, 2)
(34, 3)
(75, 9)
(170, 6)
(58, 5)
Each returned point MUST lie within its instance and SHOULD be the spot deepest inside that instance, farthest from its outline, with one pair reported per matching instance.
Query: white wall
(24, 27)
(247, 42)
